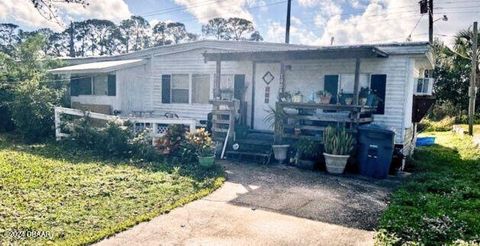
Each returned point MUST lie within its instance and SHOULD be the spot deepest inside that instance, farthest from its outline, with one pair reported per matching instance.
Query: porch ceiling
(303, 54)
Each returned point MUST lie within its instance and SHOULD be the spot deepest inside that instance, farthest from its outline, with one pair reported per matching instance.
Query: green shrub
(33, 110)
(116, 139)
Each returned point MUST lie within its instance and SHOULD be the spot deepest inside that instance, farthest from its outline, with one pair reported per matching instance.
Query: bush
(33, 110)
(443, 125)
(115, 140)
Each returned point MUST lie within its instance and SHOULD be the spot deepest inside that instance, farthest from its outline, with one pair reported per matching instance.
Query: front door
(267, 85)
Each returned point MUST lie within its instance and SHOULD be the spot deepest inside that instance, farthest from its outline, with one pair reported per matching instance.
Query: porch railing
(158, 125)
(311, 119)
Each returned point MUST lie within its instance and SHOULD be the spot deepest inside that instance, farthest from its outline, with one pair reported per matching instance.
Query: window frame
(190, 87)
(92, 84)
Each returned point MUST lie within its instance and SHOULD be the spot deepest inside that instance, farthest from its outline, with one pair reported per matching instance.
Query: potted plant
(363, 95)
(297, 97)
(307, 151)
(338, 145)
(285, 96)
(203, 146)
(226, 94)
(276, 118)
(323, 97)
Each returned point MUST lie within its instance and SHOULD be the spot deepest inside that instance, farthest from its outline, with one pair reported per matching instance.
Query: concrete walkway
(265, 205)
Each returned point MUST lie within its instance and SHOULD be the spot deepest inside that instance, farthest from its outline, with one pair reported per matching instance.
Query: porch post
(282, 77)
(254, 67)
(218, 76)
(357, 81)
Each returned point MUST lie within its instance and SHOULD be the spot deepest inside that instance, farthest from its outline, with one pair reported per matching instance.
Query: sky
(314, 22)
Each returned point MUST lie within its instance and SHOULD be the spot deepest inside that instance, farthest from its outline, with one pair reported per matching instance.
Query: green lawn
(476, 129)
(440, 203)
(76, 198)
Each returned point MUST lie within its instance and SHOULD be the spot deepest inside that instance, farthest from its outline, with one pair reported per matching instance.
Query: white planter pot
(297, 98)
(280, 152)
(335, 163)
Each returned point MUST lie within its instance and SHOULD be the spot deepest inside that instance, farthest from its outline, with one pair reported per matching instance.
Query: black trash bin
(375, 150)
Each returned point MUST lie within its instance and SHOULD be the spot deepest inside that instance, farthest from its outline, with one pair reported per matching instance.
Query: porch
(276, 73)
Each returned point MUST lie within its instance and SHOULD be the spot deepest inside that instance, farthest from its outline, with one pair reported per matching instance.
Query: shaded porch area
(294, 82)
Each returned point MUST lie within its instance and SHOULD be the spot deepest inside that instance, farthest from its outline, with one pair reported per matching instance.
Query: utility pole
(473, 85)
(430, 21)
(287, 28)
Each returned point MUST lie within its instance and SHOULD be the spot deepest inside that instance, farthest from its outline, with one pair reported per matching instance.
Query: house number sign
(267, 78)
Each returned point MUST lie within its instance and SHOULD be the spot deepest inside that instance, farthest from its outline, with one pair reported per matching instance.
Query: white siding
(191, 62)
(308, 77)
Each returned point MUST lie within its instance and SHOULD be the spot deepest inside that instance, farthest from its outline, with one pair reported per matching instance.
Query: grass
(78, 198)
(440, 203)
(476, 129)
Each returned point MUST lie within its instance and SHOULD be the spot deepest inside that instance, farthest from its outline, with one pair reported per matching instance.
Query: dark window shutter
(378, 86)
(112, 85)
(239, 86)
(166, 87)
(331, 86)
(74, 86)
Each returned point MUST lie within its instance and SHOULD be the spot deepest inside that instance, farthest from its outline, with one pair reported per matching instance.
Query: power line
(419, 19)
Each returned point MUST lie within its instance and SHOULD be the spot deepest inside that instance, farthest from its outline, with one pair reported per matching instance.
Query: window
(180, 86)
(200, 88)
(101, 85)
(80, 86)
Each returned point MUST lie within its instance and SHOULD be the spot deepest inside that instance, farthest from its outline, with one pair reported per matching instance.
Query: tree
(238, 27)
(231, 29)
(177, 32)
(135, 32)
(9, 37)
(104, 36)
(159, 34)
(255, 36)
(217, 27)
(27, 94)
(452, 71)
(171, 33)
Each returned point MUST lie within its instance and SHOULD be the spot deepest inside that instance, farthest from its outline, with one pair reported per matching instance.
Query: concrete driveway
(271, 205)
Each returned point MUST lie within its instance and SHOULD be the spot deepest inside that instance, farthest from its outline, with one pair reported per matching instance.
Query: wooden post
(254, 67)
(473, 84)
(57, 124)
(430, 21)
(282, 77)
(218, 77)
(356, 82)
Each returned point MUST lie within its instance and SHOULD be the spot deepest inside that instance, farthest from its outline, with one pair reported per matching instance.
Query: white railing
(153, 122)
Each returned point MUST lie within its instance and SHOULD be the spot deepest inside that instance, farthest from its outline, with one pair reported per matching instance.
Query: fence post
(57, 124)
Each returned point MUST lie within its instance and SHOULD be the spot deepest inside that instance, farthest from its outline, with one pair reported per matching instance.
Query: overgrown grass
(440, 203)
(78, 198)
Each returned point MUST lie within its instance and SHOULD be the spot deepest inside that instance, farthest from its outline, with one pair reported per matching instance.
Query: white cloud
(22, 12)
(380, 21)
(204, 12)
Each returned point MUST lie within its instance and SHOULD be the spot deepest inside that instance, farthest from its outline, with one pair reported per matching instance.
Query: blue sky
(313, 21)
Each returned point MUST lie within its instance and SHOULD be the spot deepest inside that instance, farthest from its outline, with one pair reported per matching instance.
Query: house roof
(407, 48)
(324, 52)
(98, 67)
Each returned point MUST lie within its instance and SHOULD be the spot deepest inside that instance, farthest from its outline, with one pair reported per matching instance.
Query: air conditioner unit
(423, 86)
